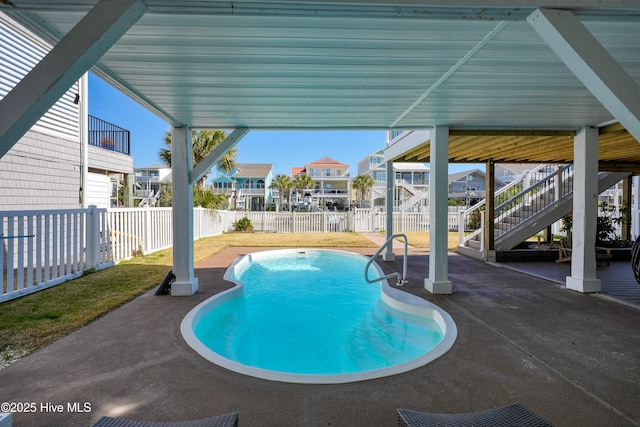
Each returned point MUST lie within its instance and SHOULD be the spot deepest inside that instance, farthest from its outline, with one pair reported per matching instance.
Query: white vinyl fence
(44, 248)
(39, 249)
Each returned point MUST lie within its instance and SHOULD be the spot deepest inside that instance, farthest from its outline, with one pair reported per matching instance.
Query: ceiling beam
(41, 88)
(591, 63)
(214, 157)
(511, 132)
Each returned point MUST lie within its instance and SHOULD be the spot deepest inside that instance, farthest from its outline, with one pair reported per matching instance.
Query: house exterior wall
(40, 172)
(249, 192)
(148, 183)
(98, 190)
(108, 160)
(471, 182)
(43, 170)
(19, 53)
(414, 177)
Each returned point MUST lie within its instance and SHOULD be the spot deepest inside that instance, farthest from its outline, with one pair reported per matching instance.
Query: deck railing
(108, 136)
(40, 249)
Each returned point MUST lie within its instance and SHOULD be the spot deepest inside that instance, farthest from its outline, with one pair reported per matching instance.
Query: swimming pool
(308, 316)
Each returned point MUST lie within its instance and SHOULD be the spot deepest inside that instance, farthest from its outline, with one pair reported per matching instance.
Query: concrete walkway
(573, 359)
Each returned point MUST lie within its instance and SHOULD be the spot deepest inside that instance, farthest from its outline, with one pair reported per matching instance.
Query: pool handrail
(401, 279)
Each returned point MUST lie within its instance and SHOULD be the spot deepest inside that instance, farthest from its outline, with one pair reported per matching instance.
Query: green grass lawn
(33, 321)
(421, 239)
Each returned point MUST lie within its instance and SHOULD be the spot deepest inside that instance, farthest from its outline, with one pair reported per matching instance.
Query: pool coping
(396, 298)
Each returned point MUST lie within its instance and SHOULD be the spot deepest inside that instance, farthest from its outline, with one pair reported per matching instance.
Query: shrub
(243, 225)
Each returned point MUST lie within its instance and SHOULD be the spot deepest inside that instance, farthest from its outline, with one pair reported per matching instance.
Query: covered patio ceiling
(618, 151)
(478, 67)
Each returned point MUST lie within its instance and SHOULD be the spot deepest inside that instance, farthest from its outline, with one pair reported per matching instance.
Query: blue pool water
(311, 313)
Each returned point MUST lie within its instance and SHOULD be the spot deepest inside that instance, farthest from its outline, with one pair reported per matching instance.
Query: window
(395, 133)
(260, 183)
(328, 172)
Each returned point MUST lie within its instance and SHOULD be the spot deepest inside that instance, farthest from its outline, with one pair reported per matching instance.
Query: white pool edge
(400, 300)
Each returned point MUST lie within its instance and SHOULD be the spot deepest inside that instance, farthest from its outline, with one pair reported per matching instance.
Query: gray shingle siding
(40, 172)
(100, 158)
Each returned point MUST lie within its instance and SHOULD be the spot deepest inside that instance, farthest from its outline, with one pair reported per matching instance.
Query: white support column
(181, 166)
(388, 254)
(585, 212)
(635, 209)
(84, 138)
(437, 282)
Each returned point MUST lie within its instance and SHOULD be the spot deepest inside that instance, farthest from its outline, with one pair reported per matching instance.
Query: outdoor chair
(510, 415)
(603, 255)
(225, 420)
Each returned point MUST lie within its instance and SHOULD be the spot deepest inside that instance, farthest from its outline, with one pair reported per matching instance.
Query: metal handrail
(401, 279)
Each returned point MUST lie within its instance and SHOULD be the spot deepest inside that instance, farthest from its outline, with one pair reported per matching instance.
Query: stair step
(470, 252)
(474, 244)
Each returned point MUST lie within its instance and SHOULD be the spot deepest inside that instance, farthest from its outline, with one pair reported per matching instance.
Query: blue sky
(283, 149)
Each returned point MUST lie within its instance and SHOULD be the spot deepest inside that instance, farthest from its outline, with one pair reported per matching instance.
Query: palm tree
(204, 142)
(362, 183)
(303, 182)
(283, 184)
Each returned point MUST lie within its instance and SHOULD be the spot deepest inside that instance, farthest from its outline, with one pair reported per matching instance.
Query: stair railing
(533, 199)
(413, 200)
(470, 221)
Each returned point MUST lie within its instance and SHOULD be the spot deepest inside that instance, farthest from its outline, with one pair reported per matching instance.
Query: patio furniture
(510, 415)
(603, 255)
(225, 420)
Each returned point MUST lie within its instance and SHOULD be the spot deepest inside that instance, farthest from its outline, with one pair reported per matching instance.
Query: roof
(326, 162)
(399, 166)
(473, 65)
(516, 168)
(295, 171)
(153, 167)
(459, 175)
(253, 170)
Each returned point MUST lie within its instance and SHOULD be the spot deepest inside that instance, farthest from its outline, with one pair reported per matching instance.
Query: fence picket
(65, 243)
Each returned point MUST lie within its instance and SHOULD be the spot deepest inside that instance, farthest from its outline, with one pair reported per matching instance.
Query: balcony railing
(108, 136)
(251, 192)
(332, 174)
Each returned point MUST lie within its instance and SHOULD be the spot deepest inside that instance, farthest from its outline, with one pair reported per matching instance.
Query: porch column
(181, 165)
(585, 212)
(489, 212)
(634, 209)
(437, 282)
(388, 254)
(626, 207)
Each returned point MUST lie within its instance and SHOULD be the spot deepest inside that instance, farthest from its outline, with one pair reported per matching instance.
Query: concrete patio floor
(574, 359)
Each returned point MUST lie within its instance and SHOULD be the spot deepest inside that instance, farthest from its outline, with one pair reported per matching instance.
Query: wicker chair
(225, 420)
(510, 415)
